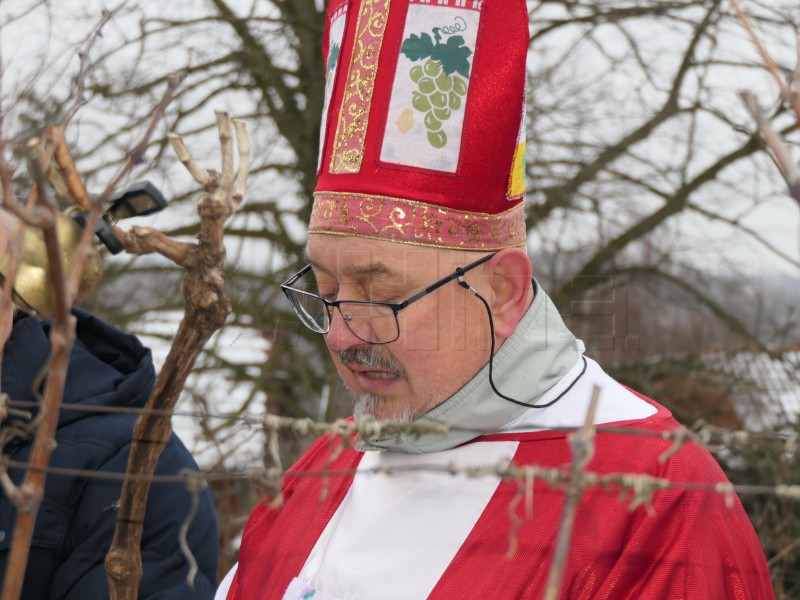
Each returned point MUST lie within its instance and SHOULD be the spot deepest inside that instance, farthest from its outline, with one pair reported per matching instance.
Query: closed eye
(330, 296)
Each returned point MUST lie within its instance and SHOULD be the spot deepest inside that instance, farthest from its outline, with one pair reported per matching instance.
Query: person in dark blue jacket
(76, 519)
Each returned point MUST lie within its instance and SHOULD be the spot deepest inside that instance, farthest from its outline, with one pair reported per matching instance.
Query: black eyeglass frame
(395, 307)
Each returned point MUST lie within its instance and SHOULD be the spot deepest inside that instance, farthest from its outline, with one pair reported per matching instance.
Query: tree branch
(61, 340)
(560, 195)
(581, 444)
(207, 308)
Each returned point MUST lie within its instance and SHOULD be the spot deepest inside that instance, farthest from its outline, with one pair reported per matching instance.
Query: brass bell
(33, 290)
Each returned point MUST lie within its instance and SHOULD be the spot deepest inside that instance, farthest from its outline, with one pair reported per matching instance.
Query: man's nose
(340, 337)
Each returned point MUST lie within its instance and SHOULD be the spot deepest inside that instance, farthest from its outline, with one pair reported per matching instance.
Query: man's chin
(380, 408)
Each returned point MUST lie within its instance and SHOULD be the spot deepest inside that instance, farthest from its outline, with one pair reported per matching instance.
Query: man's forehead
(359, 263)
(367, 259)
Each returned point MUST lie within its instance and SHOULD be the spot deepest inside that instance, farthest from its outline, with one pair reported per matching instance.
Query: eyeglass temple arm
(293, 279)
(457, 274)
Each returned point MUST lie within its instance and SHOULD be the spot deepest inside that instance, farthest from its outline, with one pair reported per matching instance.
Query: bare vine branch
(135, 157)
(581, 444)
(61, 339)
(207, 307)
(789, 97)
(775, 146)
(80, 80)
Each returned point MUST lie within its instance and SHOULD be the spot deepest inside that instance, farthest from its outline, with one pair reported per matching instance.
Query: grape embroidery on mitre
(441, 79)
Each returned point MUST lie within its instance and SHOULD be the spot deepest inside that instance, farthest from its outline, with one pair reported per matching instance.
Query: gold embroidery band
(418, 223)
(351, 130)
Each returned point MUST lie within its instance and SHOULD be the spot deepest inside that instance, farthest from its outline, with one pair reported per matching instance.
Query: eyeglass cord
(463, 283)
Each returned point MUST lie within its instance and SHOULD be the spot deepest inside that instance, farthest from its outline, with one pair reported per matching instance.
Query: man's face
(444, 337)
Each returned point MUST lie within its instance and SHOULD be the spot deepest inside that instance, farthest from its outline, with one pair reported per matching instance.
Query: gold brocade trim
(485, 248)
(416, 223)
(351, 130)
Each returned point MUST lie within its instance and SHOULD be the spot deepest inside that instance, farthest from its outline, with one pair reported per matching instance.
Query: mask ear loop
(463, 283)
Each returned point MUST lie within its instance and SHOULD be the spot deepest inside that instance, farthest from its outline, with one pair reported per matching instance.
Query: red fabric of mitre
(491, 125)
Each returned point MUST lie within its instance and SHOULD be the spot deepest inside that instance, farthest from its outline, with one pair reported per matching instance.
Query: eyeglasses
(371, 322)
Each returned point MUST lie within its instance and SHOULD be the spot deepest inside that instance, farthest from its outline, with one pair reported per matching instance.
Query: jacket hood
(107, 367)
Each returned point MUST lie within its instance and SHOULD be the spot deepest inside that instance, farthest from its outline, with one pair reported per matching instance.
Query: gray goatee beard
(374, 405)
(366, 404)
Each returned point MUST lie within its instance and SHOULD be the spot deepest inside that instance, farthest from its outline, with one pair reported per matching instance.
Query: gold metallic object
(33, 289)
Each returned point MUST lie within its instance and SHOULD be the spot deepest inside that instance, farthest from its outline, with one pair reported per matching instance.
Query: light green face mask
(538, 354)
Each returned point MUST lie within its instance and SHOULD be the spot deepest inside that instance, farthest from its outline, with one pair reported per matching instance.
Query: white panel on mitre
(335, 37)
(426, 110)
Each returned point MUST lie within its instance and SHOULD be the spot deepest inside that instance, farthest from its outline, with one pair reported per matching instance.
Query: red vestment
(685, 544)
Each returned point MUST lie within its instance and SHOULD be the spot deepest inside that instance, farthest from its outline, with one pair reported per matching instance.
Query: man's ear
(511, 274)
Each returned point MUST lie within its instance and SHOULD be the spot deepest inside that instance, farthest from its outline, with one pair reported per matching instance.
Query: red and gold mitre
(423, 128)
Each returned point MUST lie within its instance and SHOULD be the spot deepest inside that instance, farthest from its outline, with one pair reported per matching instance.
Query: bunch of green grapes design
(441, 79)
(333, 57)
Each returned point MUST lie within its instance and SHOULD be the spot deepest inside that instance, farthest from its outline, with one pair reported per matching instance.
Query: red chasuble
(686, 544)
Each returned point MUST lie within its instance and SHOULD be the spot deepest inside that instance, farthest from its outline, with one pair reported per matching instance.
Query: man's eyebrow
(366, 271)
(370, 271)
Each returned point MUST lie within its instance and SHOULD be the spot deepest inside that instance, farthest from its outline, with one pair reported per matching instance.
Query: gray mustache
(367, 357)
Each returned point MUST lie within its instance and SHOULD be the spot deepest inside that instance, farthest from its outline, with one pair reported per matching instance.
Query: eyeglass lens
(311, 310)
(375, 323)
(370, 322)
